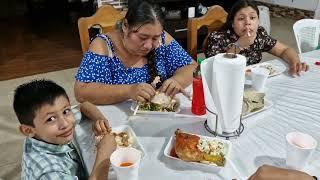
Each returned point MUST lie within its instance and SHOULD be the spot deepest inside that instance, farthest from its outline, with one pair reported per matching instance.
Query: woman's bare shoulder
(99, 46)
(168, 38)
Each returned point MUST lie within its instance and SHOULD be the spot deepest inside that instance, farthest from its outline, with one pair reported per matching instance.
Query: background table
(295, 107)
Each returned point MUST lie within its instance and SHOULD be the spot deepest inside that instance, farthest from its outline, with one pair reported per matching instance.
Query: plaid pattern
(46, 161)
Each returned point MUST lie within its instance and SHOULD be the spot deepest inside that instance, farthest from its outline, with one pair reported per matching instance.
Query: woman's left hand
(171, 87)
(296, 68)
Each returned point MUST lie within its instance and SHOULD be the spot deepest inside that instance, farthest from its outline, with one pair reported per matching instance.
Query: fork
(136, 109)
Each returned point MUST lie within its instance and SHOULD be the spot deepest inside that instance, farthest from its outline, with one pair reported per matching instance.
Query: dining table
(295, 107)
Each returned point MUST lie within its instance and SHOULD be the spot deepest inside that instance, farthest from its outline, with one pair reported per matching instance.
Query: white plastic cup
(259, 77)
(300, 147)
(191, 12)
(126, 155)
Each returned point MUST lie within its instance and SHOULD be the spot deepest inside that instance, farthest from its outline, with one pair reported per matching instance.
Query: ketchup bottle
(198, 106)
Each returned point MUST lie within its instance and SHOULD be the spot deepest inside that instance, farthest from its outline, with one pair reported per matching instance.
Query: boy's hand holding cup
(107, 145)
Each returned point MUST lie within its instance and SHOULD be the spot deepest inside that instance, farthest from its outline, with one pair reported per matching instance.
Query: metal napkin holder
(237, 132)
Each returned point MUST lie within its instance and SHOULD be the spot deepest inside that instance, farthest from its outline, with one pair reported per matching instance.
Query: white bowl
(136, 144)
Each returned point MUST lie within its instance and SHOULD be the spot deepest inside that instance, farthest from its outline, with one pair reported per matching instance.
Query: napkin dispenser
(223, 78)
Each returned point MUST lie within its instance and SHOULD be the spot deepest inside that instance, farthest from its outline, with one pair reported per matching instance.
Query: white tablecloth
(295, 107)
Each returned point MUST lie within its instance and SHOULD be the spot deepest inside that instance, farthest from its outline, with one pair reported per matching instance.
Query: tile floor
(10, 138)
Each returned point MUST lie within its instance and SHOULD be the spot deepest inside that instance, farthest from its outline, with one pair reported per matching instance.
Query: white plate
(267, 105)
(176, 110)
(278, 69)
(136, 144)
(197, 165)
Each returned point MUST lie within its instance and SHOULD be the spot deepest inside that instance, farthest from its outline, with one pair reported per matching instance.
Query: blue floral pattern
(110, 70)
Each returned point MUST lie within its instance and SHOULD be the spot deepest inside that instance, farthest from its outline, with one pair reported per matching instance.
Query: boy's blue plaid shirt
(42, 160)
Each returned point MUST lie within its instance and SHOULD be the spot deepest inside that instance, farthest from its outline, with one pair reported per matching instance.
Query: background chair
(118, 4)
(264, 18)
(307, 33)
(106, 17)
(214, 19)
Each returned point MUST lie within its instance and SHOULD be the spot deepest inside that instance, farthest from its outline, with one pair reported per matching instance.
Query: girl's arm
(290, 56)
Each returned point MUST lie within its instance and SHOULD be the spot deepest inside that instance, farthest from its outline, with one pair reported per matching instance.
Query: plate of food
(274, 70)
(254, 102)
(198, 152)
(160, 104)
(125, 137)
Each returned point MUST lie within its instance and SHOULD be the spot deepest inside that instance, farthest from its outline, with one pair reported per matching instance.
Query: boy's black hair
(31, 96)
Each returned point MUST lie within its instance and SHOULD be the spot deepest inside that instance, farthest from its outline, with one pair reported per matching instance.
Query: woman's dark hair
(141, 12)
(31, 96)
(235, 8)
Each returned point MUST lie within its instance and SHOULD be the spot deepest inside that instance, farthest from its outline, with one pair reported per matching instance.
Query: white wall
(310, 5)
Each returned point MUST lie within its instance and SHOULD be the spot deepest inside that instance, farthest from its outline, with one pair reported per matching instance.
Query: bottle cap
(200, 59)
(197, 73)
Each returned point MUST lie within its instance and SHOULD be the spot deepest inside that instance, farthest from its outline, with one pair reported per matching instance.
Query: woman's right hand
(142, 92)
(107, 145)
(247, 39)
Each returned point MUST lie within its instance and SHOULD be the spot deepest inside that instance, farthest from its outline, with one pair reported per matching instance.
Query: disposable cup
(300, 147)
(259, 77)
(126, 162)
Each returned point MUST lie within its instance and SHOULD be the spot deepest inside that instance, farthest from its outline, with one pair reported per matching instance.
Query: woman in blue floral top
(250, 40)
(121, 65)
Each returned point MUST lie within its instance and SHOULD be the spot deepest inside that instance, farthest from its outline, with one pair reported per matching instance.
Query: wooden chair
(214, 19)
(106, 16)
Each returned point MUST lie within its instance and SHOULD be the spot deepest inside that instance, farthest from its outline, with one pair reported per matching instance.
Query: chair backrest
(214, 19)
(306, 32)
(106, 17)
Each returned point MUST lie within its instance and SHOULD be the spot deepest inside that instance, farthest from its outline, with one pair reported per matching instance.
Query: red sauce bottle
(198, 106)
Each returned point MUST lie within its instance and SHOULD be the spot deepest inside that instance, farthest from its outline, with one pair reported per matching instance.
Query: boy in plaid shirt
(46, 119)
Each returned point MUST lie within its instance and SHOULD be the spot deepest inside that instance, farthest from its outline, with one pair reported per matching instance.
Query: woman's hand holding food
(245, 41)
(100, 127)
(171, 87)
(297, 67)
(142, 92)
